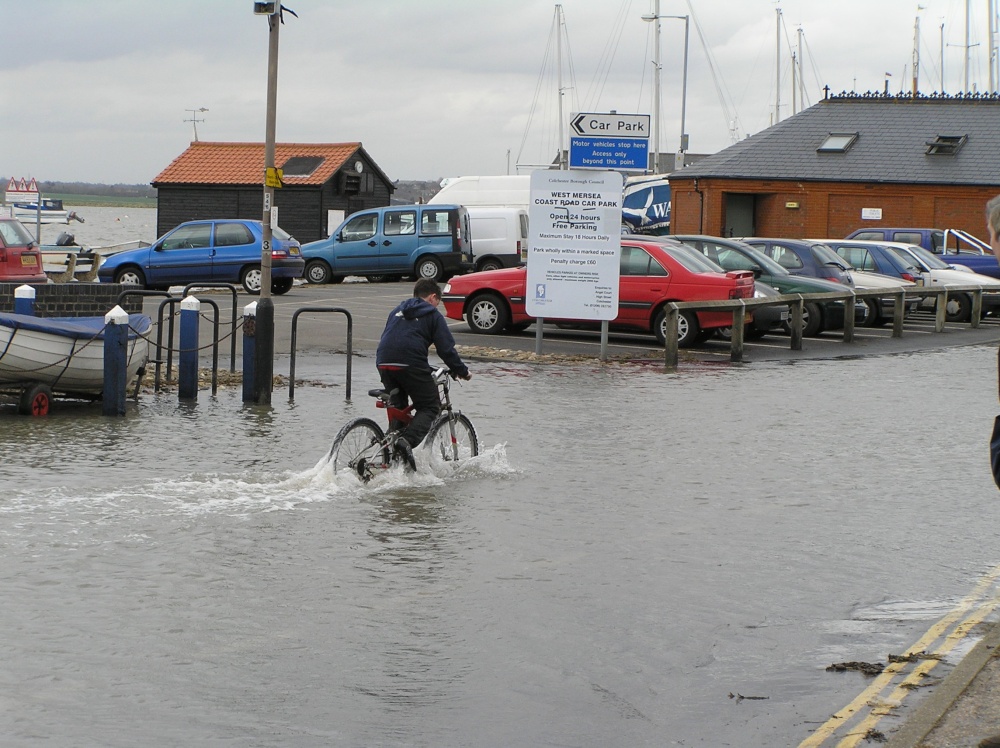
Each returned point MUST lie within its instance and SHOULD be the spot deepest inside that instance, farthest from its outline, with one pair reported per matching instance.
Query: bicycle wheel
(452, 439)
(359, 447)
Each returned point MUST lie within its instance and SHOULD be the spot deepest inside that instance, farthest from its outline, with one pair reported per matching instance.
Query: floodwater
(102, 226)
(631, 549)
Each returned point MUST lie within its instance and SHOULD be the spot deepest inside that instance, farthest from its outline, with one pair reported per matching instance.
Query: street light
(655, 16)
(194, 120)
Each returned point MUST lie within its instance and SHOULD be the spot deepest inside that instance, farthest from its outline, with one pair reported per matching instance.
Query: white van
(499, 236)
(508, 191)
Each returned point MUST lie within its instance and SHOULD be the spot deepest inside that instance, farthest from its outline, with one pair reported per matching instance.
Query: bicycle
(366, 449)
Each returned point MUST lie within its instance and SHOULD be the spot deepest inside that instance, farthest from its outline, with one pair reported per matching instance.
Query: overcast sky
(99, 90)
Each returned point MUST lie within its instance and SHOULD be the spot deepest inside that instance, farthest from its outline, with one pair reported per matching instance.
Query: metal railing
(796, 303)
(295, 329)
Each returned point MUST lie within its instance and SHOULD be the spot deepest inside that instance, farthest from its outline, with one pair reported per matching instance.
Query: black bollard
(264, 359)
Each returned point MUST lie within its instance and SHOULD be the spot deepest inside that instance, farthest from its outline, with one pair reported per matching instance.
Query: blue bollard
(249, 350)
(187, 358)
(24, 300)
(115, 362)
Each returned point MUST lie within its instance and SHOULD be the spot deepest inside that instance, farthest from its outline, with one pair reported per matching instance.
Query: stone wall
(72, 299)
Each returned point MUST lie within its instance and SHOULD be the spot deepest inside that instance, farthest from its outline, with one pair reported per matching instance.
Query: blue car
(223, 251)
(875, 258)
(805, 257)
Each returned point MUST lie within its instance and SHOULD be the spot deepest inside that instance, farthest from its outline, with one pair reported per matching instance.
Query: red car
(20, 260)
(653, 273)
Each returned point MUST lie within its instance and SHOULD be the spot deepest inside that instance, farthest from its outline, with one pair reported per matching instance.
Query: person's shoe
(404, 453)
(991, 742)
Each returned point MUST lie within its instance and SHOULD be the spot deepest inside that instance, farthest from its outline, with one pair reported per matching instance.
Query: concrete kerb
(929, 714)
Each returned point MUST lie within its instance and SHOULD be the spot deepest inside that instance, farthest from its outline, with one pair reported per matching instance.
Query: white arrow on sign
(611, 124)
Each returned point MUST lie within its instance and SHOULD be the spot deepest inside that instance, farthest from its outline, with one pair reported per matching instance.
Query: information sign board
(574, 244)
(625, 154)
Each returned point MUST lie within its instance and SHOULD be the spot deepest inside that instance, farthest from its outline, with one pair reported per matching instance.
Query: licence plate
(785, 315)
(29, 260)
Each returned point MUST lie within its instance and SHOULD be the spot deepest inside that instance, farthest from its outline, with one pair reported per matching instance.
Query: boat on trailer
(40, 356)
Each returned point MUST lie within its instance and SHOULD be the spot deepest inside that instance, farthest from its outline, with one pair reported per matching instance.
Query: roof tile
(243, 163)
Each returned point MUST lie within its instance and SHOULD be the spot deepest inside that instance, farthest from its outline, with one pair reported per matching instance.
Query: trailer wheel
(36, 400)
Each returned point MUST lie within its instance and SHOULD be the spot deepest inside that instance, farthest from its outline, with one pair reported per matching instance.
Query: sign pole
(264, 351)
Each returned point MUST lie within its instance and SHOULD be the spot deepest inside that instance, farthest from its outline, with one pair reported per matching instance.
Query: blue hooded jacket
(409, 332)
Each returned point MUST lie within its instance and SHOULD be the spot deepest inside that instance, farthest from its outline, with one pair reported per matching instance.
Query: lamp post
(683, 145)
(194, 120)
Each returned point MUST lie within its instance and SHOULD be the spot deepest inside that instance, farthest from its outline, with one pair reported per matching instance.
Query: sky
(105, 91)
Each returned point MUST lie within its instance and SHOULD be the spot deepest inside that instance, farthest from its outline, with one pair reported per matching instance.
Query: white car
(880, 309)
(937, 272)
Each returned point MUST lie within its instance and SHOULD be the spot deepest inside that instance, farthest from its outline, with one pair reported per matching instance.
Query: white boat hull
(71, 365)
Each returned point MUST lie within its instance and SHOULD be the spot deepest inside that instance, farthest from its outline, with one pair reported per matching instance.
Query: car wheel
(874, 317)
(376, 278)
(429, 268)
(130, 275)
(958, 308)
(317, 271)
(490, 264)
(687, 328)
(251, 279)
(281, 286)
(487, 313)
(812, 321)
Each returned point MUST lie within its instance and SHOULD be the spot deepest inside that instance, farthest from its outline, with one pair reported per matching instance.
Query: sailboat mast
(916, 56)
(559, 82)
(777, 66)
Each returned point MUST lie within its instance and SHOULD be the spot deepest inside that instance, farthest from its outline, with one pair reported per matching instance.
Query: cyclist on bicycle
(402, 363)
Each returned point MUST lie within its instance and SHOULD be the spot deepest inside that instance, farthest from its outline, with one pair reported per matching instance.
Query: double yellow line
(970, 611)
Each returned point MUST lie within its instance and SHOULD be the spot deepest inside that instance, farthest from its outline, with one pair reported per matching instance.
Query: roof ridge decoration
(990, 96)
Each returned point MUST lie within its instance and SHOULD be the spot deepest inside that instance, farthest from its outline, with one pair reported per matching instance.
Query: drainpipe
(701, 208)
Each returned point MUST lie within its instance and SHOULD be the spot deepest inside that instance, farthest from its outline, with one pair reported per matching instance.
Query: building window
(302, 166)
(945, 145)
(838, 142)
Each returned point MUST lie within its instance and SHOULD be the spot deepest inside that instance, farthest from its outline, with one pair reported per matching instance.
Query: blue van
(426, 241)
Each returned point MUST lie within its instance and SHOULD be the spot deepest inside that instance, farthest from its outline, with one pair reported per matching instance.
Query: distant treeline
(407, 192)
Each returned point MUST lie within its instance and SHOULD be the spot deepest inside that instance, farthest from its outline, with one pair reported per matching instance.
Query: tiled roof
(243, 163)
(893, 133)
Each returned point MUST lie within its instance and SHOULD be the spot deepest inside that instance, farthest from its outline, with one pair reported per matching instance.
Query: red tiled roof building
(323, 183)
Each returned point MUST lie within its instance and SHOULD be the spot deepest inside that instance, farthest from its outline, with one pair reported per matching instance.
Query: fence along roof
(894, 135)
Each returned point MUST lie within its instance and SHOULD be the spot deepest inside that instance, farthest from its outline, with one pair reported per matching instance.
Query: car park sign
(574, 244)
(609, 141)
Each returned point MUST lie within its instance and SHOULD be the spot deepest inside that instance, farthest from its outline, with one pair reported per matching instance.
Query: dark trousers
(417, 385)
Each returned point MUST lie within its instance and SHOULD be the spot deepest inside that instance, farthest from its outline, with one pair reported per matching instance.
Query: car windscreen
(688, 260)
(930, 259)
(14, 234)
(827, 256)
(281, 235)
(708, 265)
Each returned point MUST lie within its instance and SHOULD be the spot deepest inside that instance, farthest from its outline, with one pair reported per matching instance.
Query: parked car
(653, 273)
(764, 319)
(20, 258)
(804, 257)
(937, 272)
(958, 248)
(735, 255)
(212, 251)
(880, 309)
(428, 241)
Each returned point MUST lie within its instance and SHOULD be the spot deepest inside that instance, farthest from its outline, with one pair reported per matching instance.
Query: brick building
(323, 183)
(851, 161)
